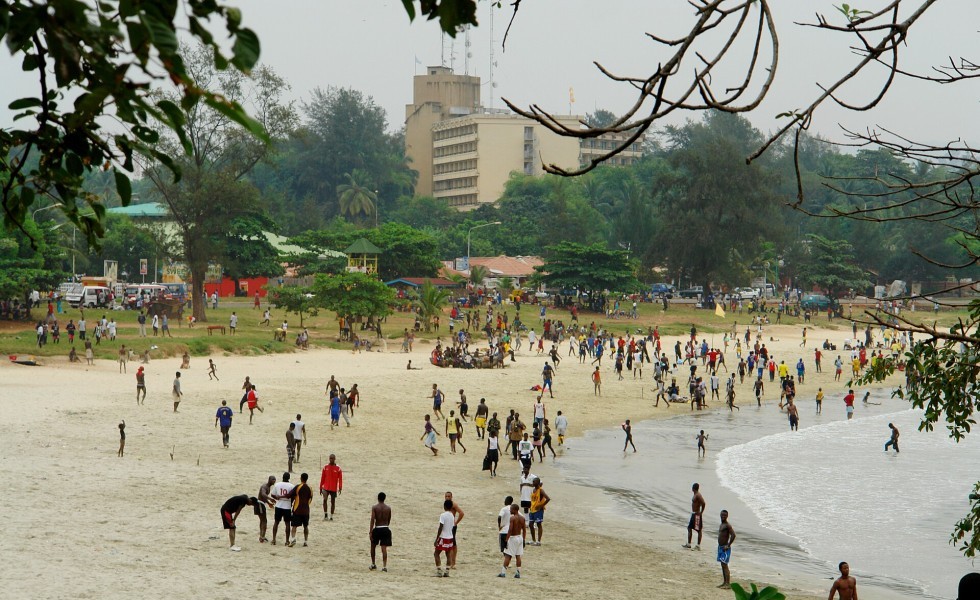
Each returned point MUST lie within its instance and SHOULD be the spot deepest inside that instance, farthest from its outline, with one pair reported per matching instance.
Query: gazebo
(362, 257)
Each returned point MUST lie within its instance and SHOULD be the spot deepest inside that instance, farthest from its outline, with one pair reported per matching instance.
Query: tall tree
(592, 269)
(354, 294)
(831, 265)
(356, 197)
(247, 251)
(711, 203)
(429, 301)
(24, 268)
(212, 193)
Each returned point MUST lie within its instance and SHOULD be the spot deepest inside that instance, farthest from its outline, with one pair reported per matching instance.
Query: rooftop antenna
(493, 60)
(442, 50)
(466, 49)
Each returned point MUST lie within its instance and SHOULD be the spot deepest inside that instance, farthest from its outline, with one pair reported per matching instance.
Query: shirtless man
(265, 502)
(892, 442)
(379, 531)
(697, 517)
(458, 515)
(726, 537)
(516, 534)
(702, 451)
(845, 585)
(794, 415)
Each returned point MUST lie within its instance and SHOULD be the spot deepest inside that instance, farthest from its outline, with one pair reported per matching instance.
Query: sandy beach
(92, 525)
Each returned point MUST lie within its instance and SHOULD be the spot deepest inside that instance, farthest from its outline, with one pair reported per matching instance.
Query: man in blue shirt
(223, 417)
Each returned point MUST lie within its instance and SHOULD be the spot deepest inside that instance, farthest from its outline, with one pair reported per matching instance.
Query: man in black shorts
(229, 513)
(380, 531)
(302, 496)
(697, 516)
(282, 493)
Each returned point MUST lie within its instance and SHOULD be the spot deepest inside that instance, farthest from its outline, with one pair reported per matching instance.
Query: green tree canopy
(294, 299)
(830, 265)
(355, 294)
(24, 268)
(593, 268)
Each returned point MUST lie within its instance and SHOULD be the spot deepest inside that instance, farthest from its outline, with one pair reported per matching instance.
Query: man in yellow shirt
(539, 499)
(783, 370)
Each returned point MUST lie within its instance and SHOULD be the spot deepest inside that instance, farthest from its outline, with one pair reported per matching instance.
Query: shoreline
(148, 510)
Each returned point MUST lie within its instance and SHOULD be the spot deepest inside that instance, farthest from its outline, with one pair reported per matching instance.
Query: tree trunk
(198, 304)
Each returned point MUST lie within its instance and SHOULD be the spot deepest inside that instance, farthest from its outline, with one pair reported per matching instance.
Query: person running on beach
(516, 534)
(229, 513)
(380, 531)
(177, 394)
(697, 516)
(122, 439)
(726, 537)
(547, 374)
(894, 439)
(331, 485)
(252, 398)
(140, 386)
(212, 370)
(437, 398)
(261, 508)
(429, 436)
(845, 586)
(849, 404)
(628, 429)
(702, 437)
(546, 441)
(223, 417)
(794, 415)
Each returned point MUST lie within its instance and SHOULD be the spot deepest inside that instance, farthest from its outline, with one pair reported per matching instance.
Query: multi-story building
(465, 153)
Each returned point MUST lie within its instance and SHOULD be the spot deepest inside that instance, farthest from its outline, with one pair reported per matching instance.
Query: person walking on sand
(539, 500)
(300, 434)
(437, 398)
(561, 427)
(516, 534)
(212, 371)
(482, 411)
(596, 382)
(726, 537)
(894, 439)
(454, 431)
(794, 415)
(229, 514)
(223, 417)
(759, 388)
(302, 497)
(122, 438)
(845, 586)
(140, 386)
(429, 436)
(493, 452)
(177, 394)
(696, 522)
(380, 531)
(547, 374)
(261, 509)
(123, 357)
(444, 537)
(628, 429)
(290, 448)
(331, 485)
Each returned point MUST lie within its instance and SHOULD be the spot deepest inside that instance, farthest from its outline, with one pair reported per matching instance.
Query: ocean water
(800, 501)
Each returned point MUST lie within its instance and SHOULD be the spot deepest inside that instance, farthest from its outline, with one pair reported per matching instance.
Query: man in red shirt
(817, 355)
(849, 404)
(332, 483)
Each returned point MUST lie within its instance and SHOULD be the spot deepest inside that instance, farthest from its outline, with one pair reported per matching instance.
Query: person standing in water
(629, 436)
(894, 439)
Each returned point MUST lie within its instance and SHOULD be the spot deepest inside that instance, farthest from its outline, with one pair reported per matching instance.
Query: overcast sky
(369, 45)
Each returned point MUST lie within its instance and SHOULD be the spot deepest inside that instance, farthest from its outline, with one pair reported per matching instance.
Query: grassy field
(251, 338)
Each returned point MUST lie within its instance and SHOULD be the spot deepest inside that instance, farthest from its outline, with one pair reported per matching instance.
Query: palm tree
(505, 284)
(356, 196)
(430, 302)
(478, 273)
(456, 278)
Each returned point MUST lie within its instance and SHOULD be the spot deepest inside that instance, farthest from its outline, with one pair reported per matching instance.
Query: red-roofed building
(518, 268)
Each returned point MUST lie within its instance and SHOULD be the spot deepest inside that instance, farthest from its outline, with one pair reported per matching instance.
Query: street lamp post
(468, 240)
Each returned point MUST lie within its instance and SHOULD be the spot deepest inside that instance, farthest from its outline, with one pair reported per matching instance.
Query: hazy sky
(369, 45)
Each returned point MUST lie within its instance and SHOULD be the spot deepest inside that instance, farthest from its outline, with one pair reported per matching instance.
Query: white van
(90, 296)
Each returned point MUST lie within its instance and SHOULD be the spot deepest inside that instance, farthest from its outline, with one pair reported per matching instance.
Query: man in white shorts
(516, 533)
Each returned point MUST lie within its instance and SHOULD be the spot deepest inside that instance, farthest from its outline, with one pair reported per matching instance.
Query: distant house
(416, 282)
(518, 268)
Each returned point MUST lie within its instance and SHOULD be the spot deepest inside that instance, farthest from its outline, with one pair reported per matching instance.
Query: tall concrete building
(465, 153)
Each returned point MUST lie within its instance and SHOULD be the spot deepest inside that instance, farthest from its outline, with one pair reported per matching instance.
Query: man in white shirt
(561, 427)
(281, 493)
(527, 486)
(526, 451)
(233, 322)
(503, 522)
(299, 435)
(539, 412)
(444, 537)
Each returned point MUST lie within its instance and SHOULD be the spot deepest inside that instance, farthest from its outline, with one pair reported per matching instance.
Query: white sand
(83, 523)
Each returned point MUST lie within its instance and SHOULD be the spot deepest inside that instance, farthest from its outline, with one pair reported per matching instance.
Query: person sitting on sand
(185, 361)
(411, 368)
(73, 356)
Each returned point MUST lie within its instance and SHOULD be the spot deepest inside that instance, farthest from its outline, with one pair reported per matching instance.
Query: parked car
(662, 289)
(815, 302)
(692, 292)
(746, 293)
